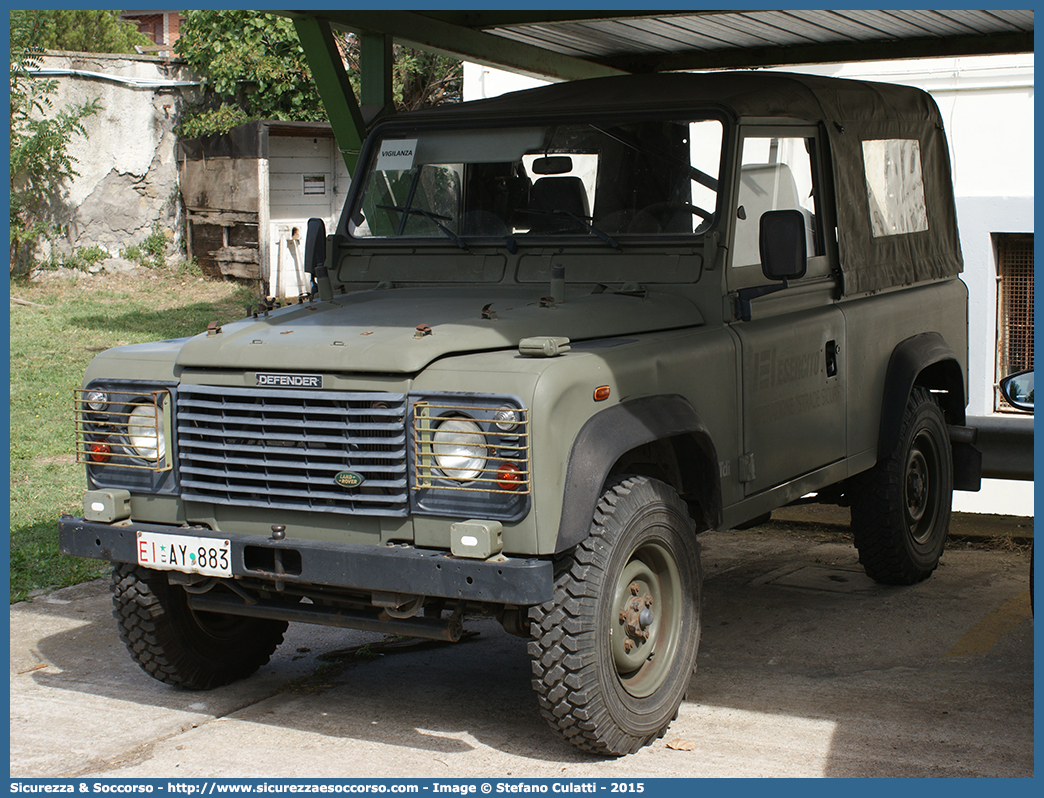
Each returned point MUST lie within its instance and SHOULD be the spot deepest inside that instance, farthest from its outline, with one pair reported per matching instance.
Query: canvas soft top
(849, 111)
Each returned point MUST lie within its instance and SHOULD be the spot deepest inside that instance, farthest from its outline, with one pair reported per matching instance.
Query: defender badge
(270, 380)
(349, 479)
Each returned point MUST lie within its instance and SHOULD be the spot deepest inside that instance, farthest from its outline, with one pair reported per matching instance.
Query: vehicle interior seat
(559, 193)
(764, 187)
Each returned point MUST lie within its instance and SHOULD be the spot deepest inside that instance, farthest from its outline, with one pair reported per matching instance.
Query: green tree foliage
(254, 67)
(40, 162)
(427, 79)
(76, 30)
(419, 79)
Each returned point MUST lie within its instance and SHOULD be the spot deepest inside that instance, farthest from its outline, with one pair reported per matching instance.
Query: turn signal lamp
(99, 452)
(509, 476)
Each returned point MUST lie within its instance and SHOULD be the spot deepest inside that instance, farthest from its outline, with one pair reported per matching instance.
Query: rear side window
(894, 186)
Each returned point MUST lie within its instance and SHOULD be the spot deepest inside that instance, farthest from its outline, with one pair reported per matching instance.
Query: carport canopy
(575, 44)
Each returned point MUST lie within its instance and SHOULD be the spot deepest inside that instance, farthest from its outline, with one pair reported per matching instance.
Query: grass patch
(54, 336)
(83, 258)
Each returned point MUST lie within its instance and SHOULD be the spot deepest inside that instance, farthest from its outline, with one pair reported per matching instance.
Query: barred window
(1014, 308)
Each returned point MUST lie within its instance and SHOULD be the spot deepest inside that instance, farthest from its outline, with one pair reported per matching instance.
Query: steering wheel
(668, 211)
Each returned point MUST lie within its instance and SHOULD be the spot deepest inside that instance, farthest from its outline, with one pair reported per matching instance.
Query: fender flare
(907, 366)
(609, 434)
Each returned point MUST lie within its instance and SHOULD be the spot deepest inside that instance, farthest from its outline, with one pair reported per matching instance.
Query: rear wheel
(177, 645)
(901, 507)
(614, 651)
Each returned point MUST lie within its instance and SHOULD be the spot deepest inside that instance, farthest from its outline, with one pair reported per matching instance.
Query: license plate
(191, 555)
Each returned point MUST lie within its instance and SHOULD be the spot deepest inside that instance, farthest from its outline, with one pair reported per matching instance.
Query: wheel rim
(921, 487)
(646, 619)
(218, 626)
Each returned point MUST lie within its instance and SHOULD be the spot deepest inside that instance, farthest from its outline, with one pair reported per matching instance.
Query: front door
(793, 346)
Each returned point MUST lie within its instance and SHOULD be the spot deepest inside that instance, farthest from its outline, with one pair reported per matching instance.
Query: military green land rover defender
(554, 336)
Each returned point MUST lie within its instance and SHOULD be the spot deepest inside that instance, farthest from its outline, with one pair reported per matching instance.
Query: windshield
(644, 178)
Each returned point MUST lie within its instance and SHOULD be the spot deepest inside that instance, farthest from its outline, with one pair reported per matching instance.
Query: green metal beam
(375, 67)
(436, 35)
(836, 52)
(331, 80)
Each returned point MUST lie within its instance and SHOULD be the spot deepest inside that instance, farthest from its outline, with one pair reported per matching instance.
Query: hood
(377, 331)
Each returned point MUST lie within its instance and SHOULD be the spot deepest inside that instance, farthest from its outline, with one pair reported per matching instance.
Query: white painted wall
(127, 169)
(987, 105)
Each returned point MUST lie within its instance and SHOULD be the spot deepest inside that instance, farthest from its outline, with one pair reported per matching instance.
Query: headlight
(145, 432)
(459, 449)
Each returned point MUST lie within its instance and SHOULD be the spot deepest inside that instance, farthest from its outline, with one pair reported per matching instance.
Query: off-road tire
(594, 692)
(174, 644)
(901, 507)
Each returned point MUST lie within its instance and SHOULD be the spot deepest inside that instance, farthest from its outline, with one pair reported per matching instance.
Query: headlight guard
(460, 454)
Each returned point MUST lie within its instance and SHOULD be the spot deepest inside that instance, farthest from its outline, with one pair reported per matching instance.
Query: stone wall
(128, 175)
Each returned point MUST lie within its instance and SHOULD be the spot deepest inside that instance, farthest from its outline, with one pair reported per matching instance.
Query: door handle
(832, 350)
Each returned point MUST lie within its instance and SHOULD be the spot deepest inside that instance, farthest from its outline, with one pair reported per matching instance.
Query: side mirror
(1018, 389)
(315, 247)
(781, 240)
(782, 245)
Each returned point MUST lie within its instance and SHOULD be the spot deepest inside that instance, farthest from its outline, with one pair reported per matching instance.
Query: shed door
(307, 178)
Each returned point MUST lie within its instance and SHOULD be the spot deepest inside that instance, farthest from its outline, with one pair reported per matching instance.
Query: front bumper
(390, 569)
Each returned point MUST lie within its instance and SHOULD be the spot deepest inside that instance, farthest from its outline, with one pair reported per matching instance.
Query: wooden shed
(248, 196)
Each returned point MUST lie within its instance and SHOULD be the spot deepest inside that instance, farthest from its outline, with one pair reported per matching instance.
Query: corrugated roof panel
(842, 24)
(795, 29)
(1022, 20)
(645, 36)
(548, 38)
(611, 38)
(675, 37)
(987, 21)
(701, 39)
(933, 23)
(737, 30)
(733, 30)
(875, 24)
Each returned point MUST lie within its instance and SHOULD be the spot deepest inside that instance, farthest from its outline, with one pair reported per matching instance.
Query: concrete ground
(806, 668)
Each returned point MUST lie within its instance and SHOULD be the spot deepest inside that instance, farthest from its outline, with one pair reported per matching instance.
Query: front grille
(284, 450)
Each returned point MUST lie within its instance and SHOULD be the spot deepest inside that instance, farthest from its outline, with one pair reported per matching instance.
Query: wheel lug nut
(628, 645)
(635, 588)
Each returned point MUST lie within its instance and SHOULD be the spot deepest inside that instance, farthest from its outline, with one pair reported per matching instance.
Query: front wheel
(177, 645)
(901, 507)
(615, 649)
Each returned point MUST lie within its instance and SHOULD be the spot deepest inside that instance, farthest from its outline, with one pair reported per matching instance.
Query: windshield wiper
(580, 220)
(434, 219)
